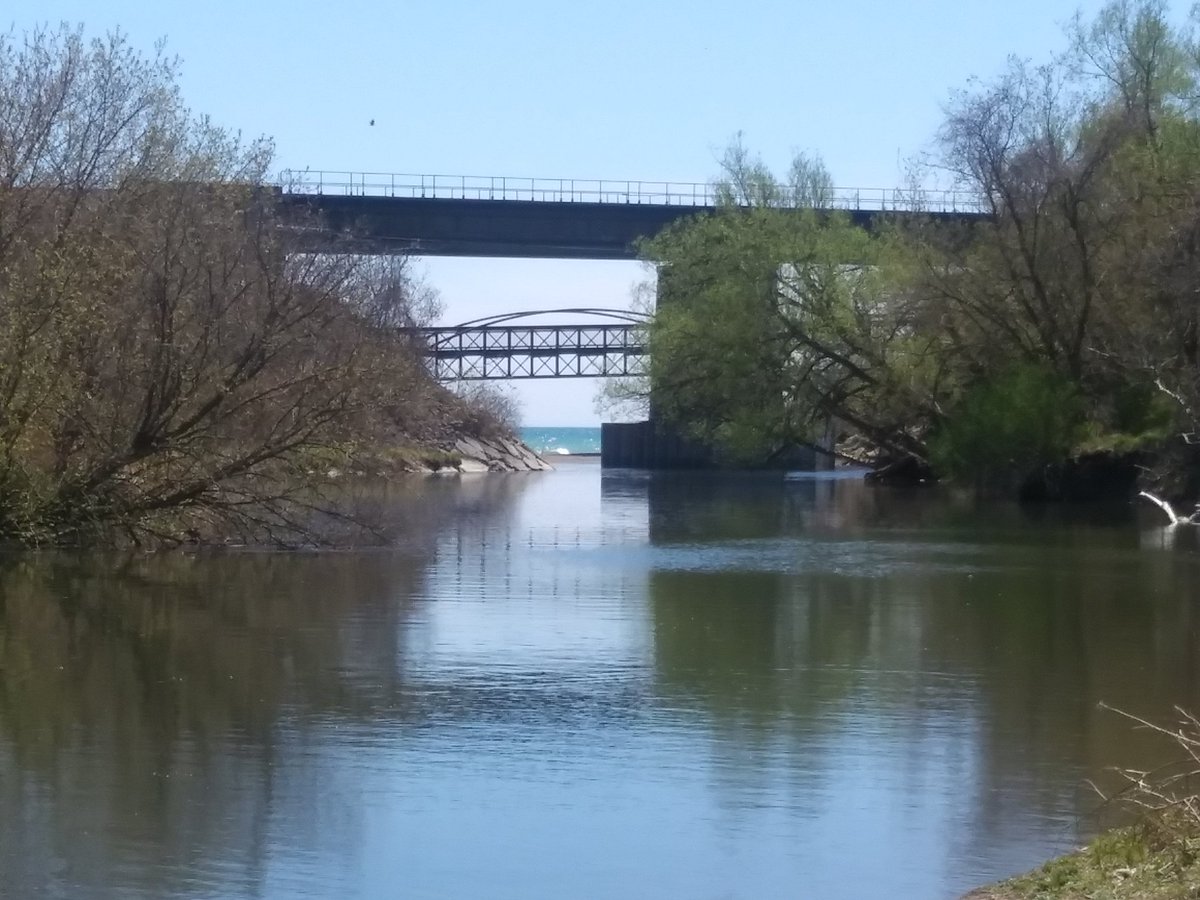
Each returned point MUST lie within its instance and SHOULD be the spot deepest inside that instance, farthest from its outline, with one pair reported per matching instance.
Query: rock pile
(497, 455)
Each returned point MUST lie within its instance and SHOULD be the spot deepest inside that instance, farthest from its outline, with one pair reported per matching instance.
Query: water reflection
(144, 707)
(164, 719)
(621, 686)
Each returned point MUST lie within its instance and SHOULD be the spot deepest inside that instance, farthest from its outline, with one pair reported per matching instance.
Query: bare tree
(747, 181)
(167, 366)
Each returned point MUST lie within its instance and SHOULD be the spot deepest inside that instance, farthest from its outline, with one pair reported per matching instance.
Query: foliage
(1006, 426)
(627, 398)
(773, 318)
(1088, 168)
(165, 361)
(746, 181)
(1083, 268)
(488, 410)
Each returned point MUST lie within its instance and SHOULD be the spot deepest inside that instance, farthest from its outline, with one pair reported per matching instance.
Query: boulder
(497, 455)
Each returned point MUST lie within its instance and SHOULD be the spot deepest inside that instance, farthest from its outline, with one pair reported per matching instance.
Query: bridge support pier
(650, 445)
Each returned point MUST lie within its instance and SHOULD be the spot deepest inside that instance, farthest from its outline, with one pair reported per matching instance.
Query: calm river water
(579, 685)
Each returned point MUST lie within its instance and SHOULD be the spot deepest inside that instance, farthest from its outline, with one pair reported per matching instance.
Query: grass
(1158, 858)
(1125, 864)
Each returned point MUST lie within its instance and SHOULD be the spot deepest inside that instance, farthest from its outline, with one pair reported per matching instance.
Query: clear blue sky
(623, 90)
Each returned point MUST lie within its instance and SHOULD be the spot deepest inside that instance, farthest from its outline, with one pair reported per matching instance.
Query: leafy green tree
(772, 319)
(1006, 426)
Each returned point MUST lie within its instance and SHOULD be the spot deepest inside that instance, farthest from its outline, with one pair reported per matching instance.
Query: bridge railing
(576, 190)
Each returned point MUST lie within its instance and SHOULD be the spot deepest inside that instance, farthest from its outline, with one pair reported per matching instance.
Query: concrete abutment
(654, 445)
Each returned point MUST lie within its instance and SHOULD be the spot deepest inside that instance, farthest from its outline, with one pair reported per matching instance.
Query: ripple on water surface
(585, 684)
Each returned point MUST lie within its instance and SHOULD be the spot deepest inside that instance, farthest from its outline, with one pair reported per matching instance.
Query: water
(576, 685)
(562, 441)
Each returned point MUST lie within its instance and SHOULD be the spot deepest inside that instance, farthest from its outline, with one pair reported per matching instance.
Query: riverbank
(466, 454)
(497, 455)
(1157, 857)
(1136, 863)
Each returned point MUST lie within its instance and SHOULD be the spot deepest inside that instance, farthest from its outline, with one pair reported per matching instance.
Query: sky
(649, 90)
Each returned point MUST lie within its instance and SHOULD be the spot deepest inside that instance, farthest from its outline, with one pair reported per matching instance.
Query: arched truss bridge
(494, 348)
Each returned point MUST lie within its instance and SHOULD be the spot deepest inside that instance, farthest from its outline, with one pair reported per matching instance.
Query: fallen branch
(1166, 796)
(1193, 519)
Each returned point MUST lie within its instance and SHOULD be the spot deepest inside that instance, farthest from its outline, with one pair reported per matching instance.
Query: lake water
(551, 442)
(577, 685)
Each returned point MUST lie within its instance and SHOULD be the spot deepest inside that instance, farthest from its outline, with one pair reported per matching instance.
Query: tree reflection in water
(781, 666)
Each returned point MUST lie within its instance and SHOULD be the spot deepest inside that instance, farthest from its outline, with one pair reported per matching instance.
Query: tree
(1088, 168)
(1066, 317)
(746, 181)
(772, 319)
(167, 366)
(627, 398)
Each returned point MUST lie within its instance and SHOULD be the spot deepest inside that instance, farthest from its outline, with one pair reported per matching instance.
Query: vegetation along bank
(168, 369)
(1048, 344)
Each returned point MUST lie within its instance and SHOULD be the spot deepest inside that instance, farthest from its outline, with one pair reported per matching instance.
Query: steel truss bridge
(491, 348)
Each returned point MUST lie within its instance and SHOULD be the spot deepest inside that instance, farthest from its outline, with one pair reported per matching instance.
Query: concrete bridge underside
(494, 228)
(485, 228)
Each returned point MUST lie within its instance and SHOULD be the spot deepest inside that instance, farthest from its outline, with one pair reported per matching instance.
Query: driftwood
(1175, 519)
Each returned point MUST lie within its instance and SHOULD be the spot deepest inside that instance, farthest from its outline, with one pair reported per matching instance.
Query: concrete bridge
(541, 218)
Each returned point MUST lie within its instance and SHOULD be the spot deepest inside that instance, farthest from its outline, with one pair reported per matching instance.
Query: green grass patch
(1133, 863)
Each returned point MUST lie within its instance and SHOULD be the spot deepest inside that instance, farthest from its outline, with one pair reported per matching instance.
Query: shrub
(1006, 426)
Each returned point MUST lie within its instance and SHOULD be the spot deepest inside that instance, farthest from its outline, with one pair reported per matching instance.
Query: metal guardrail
(576, 190)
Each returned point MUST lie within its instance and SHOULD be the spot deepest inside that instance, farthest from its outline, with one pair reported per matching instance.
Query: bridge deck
(531, 218)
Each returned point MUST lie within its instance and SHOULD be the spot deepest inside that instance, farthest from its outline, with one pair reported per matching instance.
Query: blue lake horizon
(562, 441)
